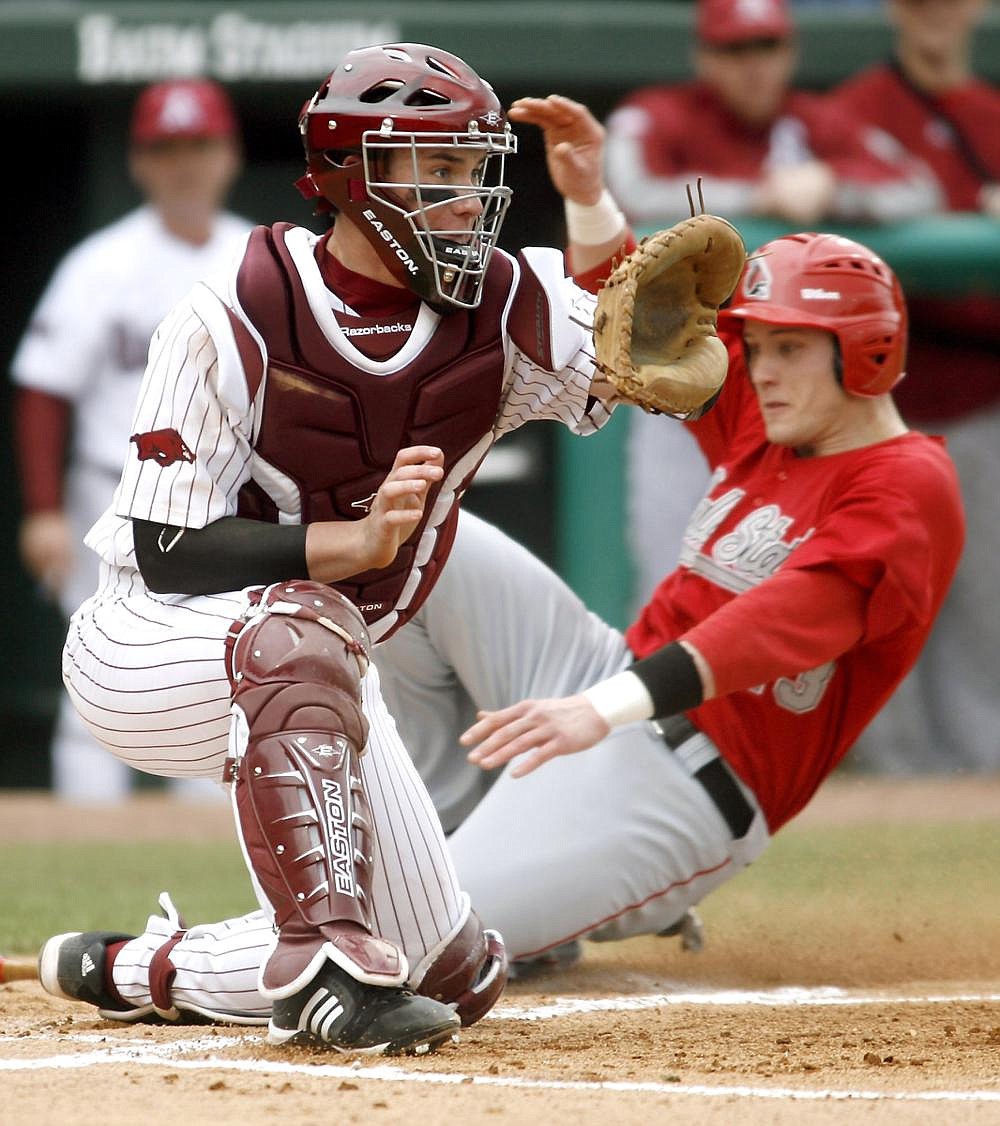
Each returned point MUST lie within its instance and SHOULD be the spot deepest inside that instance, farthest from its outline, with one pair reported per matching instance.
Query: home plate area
(770, 1054)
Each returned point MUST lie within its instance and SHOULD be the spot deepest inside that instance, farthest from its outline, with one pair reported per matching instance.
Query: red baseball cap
(721, 22)
(194, 107)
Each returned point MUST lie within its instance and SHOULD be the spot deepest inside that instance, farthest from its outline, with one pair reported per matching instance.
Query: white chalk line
(173, 1053)
(790, 996)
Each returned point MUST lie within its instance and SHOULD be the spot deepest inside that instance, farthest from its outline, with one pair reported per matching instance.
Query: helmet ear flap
(874, 354)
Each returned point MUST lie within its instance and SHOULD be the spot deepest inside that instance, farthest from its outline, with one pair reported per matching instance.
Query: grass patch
(899, 872)
(862, 905)
(47, 889)
(901, 876)
(952, 865)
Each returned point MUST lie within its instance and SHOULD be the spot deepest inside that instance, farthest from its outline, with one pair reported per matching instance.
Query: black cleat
(336, 1011)
(72, 966)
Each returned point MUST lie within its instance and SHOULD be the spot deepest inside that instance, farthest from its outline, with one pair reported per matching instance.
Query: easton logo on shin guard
(340, 841)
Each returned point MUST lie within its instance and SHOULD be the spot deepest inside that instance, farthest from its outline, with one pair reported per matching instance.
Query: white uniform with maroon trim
(147, 671)
(87, 343)
(500, 626)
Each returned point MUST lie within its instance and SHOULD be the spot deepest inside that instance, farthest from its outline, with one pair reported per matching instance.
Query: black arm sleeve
(228, 555)
(671, 678)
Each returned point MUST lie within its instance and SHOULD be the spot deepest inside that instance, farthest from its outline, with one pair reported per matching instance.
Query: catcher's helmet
(830, 282)
(407, 97)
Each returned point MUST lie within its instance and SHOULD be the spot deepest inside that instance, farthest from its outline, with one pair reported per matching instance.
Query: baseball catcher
(312, 514)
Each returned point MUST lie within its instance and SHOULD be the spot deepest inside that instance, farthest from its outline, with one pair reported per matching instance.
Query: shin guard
(299, 793)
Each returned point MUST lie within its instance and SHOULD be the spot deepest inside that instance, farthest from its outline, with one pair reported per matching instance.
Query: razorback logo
(162, 446)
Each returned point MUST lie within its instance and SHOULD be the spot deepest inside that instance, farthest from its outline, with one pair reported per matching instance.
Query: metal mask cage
(457, 257)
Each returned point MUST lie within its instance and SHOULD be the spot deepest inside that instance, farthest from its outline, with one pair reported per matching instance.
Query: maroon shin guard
(300, 798)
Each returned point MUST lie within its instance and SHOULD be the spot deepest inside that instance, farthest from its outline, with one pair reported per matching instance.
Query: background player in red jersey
(761, 146)
(946, 716)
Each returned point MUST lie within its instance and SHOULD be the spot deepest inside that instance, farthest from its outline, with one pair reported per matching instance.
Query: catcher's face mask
(410, 145)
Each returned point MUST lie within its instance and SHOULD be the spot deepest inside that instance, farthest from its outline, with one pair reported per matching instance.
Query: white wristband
(622, 698)
(590, 224)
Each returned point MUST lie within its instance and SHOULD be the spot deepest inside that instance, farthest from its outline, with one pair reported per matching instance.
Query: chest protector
(334, 429)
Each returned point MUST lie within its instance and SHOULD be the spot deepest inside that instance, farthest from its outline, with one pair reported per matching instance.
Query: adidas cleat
(72, 966)
(335, 1011)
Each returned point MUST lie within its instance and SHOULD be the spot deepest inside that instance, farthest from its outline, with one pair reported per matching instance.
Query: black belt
(714, 777)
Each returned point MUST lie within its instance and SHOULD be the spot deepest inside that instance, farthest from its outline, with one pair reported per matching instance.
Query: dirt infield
(844, 1023)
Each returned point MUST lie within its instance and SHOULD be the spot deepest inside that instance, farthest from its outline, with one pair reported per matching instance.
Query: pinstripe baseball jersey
(254, 392)
(89, 336)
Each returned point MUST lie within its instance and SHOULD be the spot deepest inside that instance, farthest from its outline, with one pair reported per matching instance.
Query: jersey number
(804, 692)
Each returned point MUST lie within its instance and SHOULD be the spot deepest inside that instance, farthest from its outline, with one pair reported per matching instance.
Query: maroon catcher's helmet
(409, 97)
(829, 282)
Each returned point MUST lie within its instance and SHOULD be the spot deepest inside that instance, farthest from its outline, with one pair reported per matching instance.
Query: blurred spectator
(761, 148)
(946, 715)
(78, 366)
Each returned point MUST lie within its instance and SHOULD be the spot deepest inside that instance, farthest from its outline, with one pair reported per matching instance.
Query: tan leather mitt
(655, 324)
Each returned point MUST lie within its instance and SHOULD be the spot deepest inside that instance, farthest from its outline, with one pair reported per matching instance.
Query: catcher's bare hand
(574, 144)
(398, 506)
(535, 729)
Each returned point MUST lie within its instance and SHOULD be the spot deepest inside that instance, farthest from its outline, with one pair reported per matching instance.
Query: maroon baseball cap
(194, 107)
(722, 22)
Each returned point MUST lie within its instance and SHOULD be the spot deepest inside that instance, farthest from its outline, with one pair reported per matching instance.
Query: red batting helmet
(406, 96)
(833, 283)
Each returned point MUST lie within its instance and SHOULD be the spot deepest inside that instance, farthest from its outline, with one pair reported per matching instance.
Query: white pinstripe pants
(147, 674)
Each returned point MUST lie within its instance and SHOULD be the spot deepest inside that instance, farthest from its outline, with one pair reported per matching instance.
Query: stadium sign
(231, 46)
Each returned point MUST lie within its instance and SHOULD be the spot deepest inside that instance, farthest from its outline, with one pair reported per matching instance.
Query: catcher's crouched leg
(468, 970)
(307, 830)
(133, 978)
(297, 667)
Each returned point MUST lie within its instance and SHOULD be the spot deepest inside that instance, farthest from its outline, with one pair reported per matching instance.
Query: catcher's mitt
(655, 323)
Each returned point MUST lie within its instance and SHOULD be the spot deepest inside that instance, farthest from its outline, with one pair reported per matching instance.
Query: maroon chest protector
(334, 429)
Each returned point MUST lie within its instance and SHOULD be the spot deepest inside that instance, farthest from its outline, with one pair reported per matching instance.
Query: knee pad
(469, 971)
(308, 644)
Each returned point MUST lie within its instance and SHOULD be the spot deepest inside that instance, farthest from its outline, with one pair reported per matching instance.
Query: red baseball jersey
(957, 134)
(887, 518)
(661, 137)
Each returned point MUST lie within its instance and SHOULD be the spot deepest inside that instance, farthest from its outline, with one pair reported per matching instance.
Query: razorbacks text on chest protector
(330, 429)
